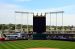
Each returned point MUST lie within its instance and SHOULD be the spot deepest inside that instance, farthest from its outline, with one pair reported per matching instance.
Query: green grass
(23, 44)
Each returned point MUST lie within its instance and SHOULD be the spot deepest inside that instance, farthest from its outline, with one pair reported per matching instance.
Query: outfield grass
(23, 44)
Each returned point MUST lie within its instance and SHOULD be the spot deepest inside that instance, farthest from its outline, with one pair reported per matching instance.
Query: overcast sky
(8, 8)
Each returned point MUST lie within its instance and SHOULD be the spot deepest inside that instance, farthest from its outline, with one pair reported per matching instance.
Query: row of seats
(2, 39)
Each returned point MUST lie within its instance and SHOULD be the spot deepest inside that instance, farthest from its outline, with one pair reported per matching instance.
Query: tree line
(18, 26)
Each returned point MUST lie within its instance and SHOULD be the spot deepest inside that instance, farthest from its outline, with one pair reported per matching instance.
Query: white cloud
(7, 13)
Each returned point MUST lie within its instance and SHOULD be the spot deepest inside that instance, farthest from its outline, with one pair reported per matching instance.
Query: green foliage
(18, 26)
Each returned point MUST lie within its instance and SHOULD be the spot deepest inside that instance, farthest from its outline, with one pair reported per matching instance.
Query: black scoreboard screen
(39, 24)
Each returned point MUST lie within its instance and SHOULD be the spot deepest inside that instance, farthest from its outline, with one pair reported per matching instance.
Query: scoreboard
(39, 24)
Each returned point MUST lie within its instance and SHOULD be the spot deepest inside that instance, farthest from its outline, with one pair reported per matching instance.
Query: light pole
(21, 23)
(50, 24)
(21, 17)
(27, 24)
(56, 24)
(56, 18)
(62, 24)
(15, 21)
(45, 13)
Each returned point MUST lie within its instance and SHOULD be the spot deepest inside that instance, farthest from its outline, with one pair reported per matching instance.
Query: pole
(21, 22)
(15, 22)
(27, 24)
(50, 23)
(46, 13)
(62, 24)
(56, 24)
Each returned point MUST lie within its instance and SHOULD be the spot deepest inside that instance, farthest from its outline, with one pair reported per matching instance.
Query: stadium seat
(2, 39)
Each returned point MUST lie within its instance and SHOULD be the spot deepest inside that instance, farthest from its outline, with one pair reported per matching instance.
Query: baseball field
(25, 44)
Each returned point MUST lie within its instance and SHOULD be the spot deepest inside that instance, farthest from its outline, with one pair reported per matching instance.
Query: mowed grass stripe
(28, 43)
(9, 45)
(36, 43)
(23, 44)
(2, 45)
(33, 43)
(17, 45)
(12, 46)
(49, 43)
(6, 46)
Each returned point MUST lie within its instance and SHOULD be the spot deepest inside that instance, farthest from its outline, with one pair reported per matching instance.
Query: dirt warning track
(43, 48)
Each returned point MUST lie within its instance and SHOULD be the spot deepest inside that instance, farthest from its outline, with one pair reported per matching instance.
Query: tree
(0, 26)
(59, 27)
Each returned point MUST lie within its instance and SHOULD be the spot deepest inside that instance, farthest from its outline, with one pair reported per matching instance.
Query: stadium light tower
(45, 14)
(21, 18)
(56, 19)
